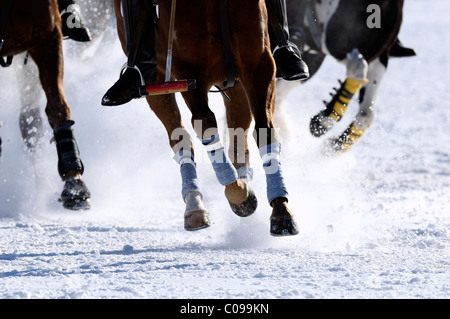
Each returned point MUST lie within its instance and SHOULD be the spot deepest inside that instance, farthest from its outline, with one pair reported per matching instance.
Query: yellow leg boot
(336, 108)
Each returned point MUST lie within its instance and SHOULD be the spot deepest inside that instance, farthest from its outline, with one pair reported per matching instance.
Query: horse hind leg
(30, 120)
(48, 57)
(259, 85)
(367, 106)
(166, 109)
(195, 215)
(239, 120)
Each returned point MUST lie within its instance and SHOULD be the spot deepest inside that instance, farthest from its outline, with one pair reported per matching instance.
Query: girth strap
(3, 18)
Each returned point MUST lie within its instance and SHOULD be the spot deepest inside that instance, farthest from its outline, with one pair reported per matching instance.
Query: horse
(360, 34)
(35, 27)
(198, 53)
(100, 18)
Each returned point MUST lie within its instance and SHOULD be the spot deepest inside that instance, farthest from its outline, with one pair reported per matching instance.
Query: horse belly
(28, 25)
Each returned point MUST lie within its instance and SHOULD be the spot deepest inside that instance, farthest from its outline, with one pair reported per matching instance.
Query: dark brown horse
(198, 53)
(35, 27)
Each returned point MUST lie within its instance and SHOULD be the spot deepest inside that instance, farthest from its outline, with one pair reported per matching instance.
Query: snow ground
(374, 222)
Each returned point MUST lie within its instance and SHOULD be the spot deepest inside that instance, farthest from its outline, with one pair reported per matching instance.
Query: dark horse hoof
(316, 128)
(247, 207)
(283, 226)
(75, 195)
(282, 221)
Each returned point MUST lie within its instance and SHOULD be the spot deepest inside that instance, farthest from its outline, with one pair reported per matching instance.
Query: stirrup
(289, 45)
(135, 67)
(125, 67)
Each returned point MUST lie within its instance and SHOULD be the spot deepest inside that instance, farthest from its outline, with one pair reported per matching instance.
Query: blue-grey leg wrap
(245, 173)
(67, 148)
(270, 155)
(188, 171)
(225, 171)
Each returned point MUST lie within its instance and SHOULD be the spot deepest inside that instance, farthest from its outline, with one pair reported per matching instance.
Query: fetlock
(347, 139)
(69, 161)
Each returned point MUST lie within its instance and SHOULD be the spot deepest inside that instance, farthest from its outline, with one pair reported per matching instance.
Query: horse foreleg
(367, 105)
(166, 109)
(49, 59)
(357, 69)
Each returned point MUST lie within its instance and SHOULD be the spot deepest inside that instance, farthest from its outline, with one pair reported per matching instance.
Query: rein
(3, 18)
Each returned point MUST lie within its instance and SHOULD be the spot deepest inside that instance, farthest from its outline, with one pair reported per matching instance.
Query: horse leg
(239, 120)
(205, 126)
(49, 59)
(259, 85)
(166, 109)
(357, 69)
(30, 120)
(367, 105)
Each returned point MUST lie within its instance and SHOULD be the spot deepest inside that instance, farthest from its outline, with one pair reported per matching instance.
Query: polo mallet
(170, 86)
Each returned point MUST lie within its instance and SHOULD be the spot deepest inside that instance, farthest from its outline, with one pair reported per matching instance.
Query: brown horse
(35, 27)
(198, 53)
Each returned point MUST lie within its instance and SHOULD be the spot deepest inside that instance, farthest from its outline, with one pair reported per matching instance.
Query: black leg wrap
(67, 148)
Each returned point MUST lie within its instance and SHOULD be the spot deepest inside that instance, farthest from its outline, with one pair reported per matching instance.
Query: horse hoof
(283, 226)
(196, 220)
(77, 204)
(247, 207)
(75, 195)
(282, 221)
(315, 126)
(241, 198)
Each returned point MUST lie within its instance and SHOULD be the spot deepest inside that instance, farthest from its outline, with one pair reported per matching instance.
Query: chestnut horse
(35, 27)
(198, 53)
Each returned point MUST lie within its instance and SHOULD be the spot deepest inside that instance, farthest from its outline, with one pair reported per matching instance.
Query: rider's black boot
(72, 27)
(290, 65)
(140, 70)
